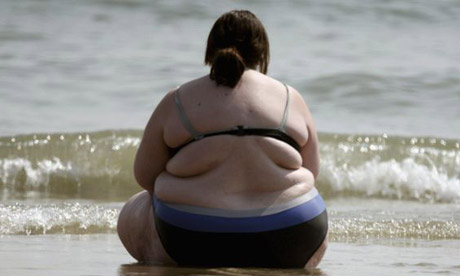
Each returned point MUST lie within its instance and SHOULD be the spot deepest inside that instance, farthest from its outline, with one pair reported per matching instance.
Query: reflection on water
(138, 270)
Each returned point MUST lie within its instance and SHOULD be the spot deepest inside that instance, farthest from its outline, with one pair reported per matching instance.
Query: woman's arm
(309, 151)
(153, 153)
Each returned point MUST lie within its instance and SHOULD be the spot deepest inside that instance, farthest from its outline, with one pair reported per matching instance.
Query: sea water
(79, 80)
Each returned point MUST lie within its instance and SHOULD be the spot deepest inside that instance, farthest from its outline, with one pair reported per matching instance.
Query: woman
(228, 162)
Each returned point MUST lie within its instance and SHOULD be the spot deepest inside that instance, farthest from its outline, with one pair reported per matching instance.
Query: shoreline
(103, 254)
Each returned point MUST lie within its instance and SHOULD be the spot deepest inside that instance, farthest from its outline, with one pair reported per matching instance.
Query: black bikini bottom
(202, 240)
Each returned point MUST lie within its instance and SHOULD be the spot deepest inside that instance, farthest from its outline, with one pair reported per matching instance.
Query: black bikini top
(277, 133)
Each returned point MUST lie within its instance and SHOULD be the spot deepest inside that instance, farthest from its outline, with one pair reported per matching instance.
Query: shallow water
(101, 254)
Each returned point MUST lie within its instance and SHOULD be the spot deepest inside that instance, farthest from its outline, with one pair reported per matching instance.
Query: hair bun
(227, 67)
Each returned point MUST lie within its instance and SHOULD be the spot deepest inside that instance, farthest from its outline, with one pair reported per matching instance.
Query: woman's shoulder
(281, 85)
(169, 98)
(296, 98)
(195, 83)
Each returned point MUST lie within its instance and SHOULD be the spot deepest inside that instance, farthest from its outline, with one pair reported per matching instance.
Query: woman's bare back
(235, 172)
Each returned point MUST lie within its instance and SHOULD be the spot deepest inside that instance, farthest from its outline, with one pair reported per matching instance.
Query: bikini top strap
(286, 110)
(198, 135)
(184, 119)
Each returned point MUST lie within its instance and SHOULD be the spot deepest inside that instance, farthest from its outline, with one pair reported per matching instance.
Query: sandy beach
(103, 254)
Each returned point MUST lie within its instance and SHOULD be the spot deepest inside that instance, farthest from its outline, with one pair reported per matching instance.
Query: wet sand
(103, 254)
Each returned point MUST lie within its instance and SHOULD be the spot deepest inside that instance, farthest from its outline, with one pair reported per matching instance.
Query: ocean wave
(99, 166)
(66, 218)
(408, 104)
(21, 170)
(92, 218)
(421, 169)
(398, 92)
(392, 179)
(79, 165)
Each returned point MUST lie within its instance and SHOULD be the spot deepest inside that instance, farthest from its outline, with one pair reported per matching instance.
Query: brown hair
(237, 41)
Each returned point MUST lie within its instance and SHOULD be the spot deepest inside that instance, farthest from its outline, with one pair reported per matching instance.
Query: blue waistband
(220, 224)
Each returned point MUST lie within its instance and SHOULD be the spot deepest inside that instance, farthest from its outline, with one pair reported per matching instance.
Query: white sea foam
(404, 179)
(356, 228)
(358, 224)
(125, 142)
(35, 174)
(71, 218)
(417, 168)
